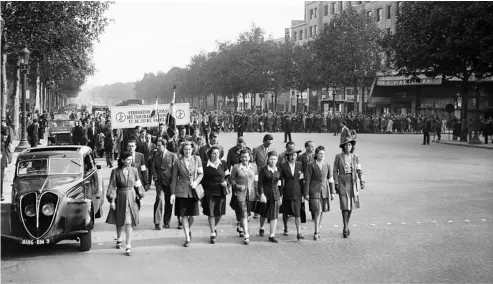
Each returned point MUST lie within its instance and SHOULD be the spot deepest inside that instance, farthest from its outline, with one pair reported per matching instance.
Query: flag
(155, 110)
(171, 116)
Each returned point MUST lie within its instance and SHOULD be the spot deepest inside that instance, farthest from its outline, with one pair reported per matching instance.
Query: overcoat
(292, 184)
(317, 181)
(183, 177)
(340, 179)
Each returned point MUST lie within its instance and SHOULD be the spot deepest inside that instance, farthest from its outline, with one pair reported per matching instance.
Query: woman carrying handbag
(124, 192)
(186, 189)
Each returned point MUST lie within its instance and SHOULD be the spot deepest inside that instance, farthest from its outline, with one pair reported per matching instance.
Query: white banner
(139, 115)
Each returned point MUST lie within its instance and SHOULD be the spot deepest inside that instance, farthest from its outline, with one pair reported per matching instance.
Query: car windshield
(52, 166)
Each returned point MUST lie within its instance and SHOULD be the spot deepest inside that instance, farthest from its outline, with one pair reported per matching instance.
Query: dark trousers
(439, 134)
(286, 135)
(162, 205)
(109, 157)
(426, 138)
(485, 134)
(240, 131)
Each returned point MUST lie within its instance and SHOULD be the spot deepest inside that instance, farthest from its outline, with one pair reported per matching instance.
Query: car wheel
(85, 242)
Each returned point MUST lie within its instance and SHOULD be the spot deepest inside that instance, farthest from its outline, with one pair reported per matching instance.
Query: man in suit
(287, 128)
(281, 157)
(139, 162)
(260, 152)
(33, 133)
(307, 157)
(213, 141)
(92, 135)
(162, 172)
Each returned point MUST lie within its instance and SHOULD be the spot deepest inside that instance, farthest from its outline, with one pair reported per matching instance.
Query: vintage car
(60, 129)
(57, 194)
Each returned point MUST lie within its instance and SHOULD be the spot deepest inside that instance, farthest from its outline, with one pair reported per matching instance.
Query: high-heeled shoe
(118, 244)
(316, 236)
(345, 233)
(300, 237)
(261, 232)
(186, 244)
(128, 251)
(213, 239)
(246, 241)
(285, 232)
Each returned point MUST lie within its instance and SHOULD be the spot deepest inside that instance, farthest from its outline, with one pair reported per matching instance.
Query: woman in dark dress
(349, 180)
(270, 195)
(187, 174)
(214, 183)
(124, 190)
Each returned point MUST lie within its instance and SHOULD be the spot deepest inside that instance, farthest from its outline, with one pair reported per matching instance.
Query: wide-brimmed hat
(289, 152)
(347, 140)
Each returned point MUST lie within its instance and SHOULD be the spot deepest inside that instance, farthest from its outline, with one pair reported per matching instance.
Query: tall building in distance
(385, 93)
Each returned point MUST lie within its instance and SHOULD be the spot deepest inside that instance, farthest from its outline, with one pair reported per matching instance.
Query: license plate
(35, 242)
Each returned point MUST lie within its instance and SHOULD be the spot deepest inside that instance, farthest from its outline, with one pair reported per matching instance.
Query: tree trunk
(252, 100)
(244, 101)
(37, 91)
(464, 91)
(215, 101)
(235, 100)
(4, 85)
(16, 99)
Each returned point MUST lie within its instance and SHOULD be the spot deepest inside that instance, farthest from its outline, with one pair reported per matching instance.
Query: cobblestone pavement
(426, 217)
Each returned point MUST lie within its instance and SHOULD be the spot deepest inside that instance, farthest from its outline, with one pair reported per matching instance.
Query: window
(311, 31)
(306, 34)
(332, 8)
(379, 14)
(301, 35)
(369, 14)
(295, 36)
(389, 12)
(315, 13)
(326, 10)
(315, 30)
(339, 4)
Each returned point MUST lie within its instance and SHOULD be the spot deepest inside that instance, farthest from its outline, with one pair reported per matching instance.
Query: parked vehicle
(57, 194)
(60, 128)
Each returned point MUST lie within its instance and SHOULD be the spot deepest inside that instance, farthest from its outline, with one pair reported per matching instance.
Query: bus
(130, 102)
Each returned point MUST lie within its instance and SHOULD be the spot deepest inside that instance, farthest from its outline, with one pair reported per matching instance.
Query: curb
(465, 144)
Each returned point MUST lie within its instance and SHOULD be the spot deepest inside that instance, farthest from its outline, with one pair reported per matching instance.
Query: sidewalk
(488, 146)
(9, 172)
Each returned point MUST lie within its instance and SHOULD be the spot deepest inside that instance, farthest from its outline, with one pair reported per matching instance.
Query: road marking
(450, 221)
(467, 220)
(389, 223)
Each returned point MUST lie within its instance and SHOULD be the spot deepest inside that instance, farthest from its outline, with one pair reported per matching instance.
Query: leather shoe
(273, 240)
(261, 232)
(167, 226)
(157, 227)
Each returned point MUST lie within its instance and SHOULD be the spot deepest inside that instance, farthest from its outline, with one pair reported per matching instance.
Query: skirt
(319, 205)
(243, 209)
(214, 206)
(186, 207)
(291, 207)
(269, 210)
(346, 195)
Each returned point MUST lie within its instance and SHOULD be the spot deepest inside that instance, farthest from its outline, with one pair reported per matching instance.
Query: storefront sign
(408, 82)
(139, 115)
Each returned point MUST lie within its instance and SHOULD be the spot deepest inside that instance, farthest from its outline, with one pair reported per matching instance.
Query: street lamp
(24, 68)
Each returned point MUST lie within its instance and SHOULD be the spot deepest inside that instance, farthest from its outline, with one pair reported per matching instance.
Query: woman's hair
(318, 149)
(191, 144)
(352, 149)
(271, 153)
(209, 152)
(246, 151)
(123, 157)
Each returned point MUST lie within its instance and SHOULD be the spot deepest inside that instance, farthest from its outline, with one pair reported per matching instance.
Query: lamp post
(475, 139)
(24, 60)
(297, 102)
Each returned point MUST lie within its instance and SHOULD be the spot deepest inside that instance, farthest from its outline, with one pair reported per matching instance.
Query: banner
(140, 115)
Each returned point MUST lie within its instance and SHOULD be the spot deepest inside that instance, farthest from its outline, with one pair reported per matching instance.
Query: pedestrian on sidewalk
(6, 157)
(124, 191)
(349, 181)
(319, 186)
(33, 133)
(426, 131)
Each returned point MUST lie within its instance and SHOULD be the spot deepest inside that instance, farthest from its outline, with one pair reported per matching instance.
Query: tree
(279, 65)
(303, 71)
(447, 39)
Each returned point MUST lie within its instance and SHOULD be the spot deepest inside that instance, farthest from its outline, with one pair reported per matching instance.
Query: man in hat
(282, 158)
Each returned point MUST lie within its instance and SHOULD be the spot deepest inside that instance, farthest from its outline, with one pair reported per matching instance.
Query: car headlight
(30, 211)
(48, 209)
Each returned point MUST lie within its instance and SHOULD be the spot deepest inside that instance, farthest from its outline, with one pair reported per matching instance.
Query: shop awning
(393, 81)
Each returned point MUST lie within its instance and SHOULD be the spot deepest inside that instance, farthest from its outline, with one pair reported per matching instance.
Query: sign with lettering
(408, 82)
(140, 115)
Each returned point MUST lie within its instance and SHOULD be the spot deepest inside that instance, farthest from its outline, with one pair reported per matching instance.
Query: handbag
(303, 212)
(198, 191)
(226, 189)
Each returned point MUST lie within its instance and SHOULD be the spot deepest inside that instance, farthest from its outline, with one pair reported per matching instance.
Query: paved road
(426, 216)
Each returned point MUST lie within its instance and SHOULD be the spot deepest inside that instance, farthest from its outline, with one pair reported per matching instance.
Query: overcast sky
(149, 36)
